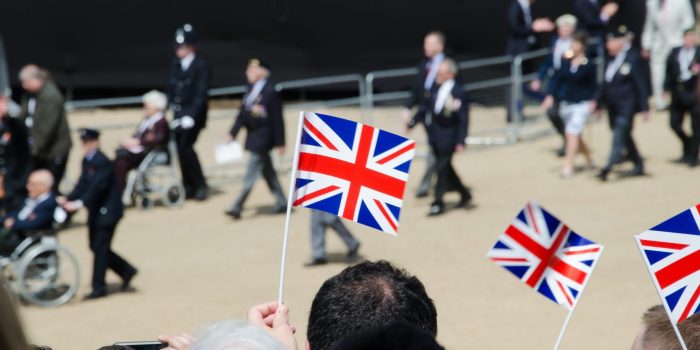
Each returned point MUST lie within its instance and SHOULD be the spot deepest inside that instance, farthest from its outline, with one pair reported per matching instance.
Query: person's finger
(281, 317)
(258, 313)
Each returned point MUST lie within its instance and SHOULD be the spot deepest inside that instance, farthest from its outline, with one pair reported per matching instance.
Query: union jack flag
(352, 170)
(671, 251)
(546, 255)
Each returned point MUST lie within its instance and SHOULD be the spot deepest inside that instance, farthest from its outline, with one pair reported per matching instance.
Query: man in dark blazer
(14, 156)
(45, 117)
(625, 93)
(97, 192)
(449, 110)
(261, 115)
(433, 48)
(523, 27)
(188, 95)
(682, 68)
(152, 133)
(36, 213)
(593, 17)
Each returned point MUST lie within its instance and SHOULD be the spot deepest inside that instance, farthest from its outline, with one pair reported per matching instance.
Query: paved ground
(196, 265)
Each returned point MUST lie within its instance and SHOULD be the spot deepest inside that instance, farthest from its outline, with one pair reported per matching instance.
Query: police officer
(97, 192)
(449, 110)
(682, 68)
(625, 94)
(14, 153)
(261, 115)
(187, 92)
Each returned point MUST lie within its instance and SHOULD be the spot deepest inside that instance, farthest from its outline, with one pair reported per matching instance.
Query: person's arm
(156, 137)
(93, 184)
(418, 117)
(416, 88)
(638, 75)
(274, 112)
(201, 94)
(669, 76)
(647, 33)
(238, 123)
(41, 218)
(462, 113)
(591, 20)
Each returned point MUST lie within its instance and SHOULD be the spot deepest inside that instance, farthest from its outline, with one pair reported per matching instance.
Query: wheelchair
(157, 178)
(40, 270)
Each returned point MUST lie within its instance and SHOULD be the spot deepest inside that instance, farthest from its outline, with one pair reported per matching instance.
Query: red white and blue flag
(352, 170)
(671, 251)
(546, 255)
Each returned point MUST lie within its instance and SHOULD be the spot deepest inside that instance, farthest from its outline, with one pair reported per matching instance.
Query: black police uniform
(625, 95)
(14, 162)
(447, 130)
(188, 96)
(97, 189)
(683, 101)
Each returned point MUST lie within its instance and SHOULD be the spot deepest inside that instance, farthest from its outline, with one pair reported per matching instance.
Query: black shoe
(316, 262)
(638, 171)
(201, 194)
(352, 254)
(464, 201)
(603, 175)
(436, 209)
(280, 209)
(235, 214)
(561, 152)
(126, 282)
(95, 295)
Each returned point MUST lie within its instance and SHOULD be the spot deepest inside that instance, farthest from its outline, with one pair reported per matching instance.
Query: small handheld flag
(352, 170)
(671, 251)
(546, 255)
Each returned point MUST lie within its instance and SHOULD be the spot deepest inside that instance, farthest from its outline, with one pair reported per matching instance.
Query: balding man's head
(40, 182)
(433, 44)
(32, 78)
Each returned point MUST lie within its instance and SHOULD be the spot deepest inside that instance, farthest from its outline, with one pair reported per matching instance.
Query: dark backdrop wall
(126, 44)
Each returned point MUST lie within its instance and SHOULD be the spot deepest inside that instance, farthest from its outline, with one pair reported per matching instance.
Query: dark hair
(659, 331)
(116, 347)
(367, 296)
(395, 336)
(581, 37)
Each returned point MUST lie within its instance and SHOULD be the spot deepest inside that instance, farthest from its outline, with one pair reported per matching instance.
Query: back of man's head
(658, 333)
(395, 336)
(367, 296)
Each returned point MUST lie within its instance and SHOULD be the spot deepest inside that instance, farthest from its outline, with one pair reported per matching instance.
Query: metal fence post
(369, 94)
(516, 97)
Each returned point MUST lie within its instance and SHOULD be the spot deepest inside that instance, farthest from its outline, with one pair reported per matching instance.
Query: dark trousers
(447, 178)
(684, 102)
(257, 164)
(621, 120)
(124, 163)
(192, 175)
(100, 244)
(555, 118)
(56, 166)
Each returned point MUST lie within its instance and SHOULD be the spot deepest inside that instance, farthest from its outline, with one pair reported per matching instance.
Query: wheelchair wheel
(173, 195)
(47, 274)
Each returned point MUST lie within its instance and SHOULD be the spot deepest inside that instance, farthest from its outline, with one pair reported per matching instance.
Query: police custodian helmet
(185, 35)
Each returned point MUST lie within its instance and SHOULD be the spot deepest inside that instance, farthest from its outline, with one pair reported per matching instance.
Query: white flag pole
(571, 313)
(292, 182)
(658, 290)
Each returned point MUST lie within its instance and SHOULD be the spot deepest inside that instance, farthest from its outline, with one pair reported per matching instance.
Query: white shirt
(186, 62)
(685, 58)
(30, 204)
(31, 109)
(255, 92)
(443, 94)
(560, 47)
(616, 64)
(432, 67)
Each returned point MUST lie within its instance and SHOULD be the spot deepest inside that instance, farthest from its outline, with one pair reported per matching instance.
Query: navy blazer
(97, 188)
(264, 133)
(588, 15)
(40, 219)
(577, 86)
(518, 30)
(418, 93)
(188, 90)
(673, 80)
(446, 130)
(628, 85)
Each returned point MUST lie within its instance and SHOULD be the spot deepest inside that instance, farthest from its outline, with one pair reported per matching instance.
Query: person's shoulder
(51, 93)
(200, 62)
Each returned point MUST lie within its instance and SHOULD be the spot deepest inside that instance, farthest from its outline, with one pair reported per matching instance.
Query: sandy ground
(197, 265)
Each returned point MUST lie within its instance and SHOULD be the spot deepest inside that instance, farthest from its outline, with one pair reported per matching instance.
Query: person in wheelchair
(36, 214)
(152, 133)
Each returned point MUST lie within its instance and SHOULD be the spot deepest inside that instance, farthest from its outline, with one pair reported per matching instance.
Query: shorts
(575, 116)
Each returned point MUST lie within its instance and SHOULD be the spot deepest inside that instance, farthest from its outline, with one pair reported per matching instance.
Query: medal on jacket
(625, 69)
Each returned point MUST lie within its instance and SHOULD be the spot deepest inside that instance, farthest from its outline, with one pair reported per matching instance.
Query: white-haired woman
(153, 132)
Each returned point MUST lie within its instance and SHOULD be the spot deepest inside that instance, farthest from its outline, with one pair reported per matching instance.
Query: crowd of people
(372, 302)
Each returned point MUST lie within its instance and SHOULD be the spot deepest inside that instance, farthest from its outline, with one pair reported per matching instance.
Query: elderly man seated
(152, 133)
(36, 214)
